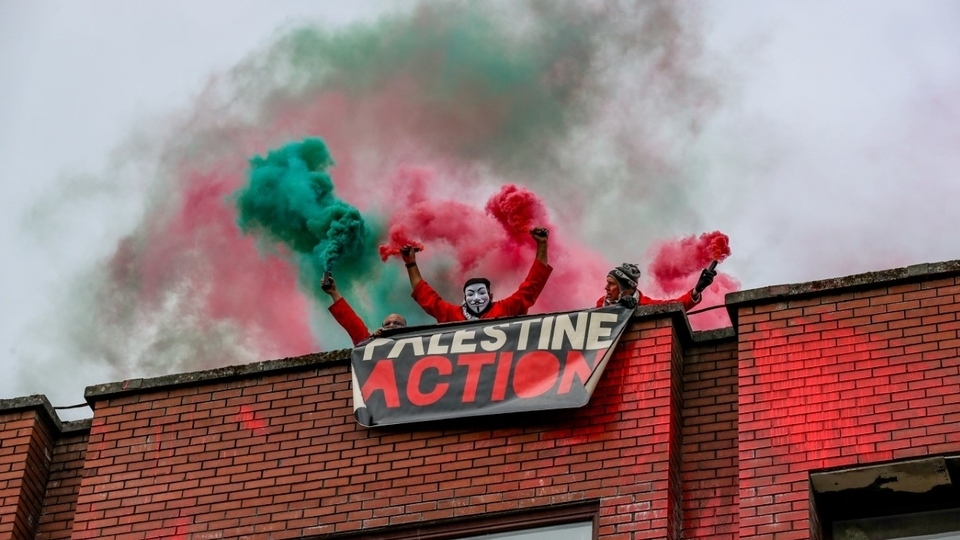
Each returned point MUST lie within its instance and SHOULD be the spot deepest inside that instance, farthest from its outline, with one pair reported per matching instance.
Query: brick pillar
(26, 429)
(63, 484)
(710, 453)
(642, 384)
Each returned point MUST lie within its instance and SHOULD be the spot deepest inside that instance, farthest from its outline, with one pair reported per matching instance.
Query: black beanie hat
(475, 280)
(627, 275)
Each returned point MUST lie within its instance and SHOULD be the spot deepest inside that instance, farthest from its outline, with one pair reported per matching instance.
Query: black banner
(480, 368)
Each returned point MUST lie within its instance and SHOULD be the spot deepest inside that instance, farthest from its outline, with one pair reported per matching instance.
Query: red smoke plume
(396, 244)
(675, 263)
(198, 252)
(485, 241)
(517, 210)
(718, 245)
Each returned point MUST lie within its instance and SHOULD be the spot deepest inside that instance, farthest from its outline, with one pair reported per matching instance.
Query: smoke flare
(290, 198)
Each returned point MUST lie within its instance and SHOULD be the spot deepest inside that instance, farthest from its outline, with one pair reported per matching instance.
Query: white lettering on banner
(565, 328)
(434, 347)
(588, 331)
(498, 335)
(546, 325)
(458, 345)
(596, 330)
(415, 342)
(524, 333)
(369, 347)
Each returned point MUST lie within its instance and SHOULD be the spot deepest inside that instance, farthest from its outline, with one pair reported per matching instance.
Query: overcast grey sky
(836, 150)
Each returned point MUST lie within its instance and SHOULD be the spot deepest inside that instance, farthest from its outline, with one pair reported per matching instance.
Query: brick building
(829, 409)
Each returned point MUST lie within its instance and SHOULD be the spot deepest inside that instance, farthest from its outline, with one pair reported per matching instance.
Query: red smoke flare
(396, 244)
(677, 264)
(718, 244)
(496, 241)
(517, 210)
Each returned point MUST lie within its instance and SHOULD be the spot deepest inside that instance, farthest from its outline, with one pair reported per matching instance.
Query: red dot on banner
(535, 374)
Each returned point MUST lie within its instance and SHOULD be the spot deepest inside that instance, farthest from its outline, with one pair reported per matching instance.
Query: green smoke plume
(289, 198)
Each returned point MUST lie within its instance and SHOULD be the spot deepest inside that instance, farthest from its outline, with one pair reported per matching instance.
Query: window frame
(489, 523)
(859, 493)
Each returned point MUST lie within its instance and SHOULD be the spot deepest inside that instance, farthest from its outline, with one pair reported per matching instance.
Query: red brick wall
(675, 492)
(710, 464)
(840, 380)
(641, 388)
(63, 485)
(24, 458)
(281, 456)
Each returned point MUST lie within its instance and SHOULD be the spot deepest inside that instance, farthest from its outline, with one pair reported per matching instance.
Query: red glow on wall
(247, 418)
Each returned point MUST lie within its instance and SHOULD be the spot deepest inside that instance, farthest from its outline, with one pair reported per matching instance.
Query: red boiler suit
(687, 300)
(349, 320)
(516, 304)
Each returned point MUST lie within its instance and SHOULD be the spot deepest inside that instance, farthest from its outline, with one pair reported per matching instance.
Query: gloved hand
(706, 278)
(327, 284)
(628, 302)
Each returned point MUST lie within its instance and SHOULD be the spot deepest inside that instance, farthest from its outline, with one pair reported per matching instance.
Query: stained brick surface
(281, 457)
(24, 461)
(63, 485)
(840, 380)
(710, 457)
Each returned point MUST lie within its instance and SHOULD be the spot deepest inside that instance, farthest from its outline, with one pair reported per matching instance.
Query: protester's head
(621, 281)
(394, 320)
(476, 295)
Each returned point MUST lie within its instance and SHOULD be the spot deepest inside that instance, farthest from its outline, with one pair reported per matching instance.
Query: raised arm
(540, 235)
(526, 295)
(343, 313)
(423, 294)
(409, 256)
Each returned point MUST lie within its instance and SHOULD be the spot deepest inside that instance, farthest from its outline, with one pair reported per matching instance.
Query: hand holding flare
(387, 250)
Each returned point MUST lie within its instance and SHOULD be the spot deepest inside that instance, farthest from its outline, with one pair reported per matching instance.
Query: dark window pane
(942, 525)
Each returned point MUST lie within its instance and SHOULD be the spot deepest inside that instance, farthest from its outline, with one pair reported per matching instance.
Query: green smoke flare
(290, 199)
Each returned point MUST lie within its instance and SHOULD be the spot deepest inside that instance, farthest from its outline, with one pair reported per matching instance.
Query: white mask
(476, 297)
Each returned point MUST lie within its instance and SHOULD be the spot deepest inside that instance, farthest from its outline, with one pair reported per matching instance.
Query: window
(571, 521)
(907, 500)
(940, 525)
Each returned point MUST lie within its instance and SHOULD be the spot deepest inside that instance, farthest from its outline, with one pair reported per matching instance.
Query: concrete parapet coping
(36, 402)
(101, 392)
(868, 280)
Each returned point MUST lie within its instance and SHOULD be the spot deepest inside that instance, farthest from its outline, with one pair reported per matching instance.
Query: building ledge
(101, 392)
(868, 280)
(38, 403)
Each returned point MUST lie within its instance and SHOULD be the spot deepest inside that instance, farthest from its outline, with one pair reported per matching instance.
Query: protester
(621, 288)
(348, 319)
(478, 300)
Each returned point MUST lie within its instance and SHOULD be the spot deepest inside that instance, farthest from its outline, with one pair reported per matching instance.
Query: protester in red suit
(348, 319)
(478, 302)
(621, 289)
